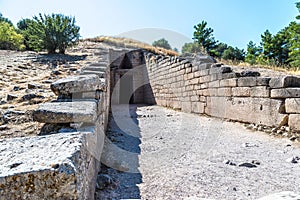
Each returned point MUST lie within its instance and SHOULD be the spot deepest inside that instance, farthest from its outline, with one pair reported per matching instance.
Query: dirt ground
(186, 156)
(25, 82)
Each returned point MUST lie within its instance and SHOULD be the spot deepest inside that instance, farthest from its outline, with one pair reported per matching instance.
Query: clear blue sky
(235, 22)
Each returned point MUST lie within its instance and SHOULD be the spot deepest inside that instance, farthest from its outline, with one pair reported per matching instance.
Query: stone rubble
(63, 161)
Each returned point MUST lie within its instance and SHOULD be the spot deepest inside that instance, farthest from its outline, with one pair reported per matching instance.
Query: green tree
(51, 32)
(9, 38)
(192, 47)
(234, 54)
(219, 49)
(204, 37)
(163, 43)
(22, 27)
(4, 19)
(267, 43)
(253, 52)
(294, 54)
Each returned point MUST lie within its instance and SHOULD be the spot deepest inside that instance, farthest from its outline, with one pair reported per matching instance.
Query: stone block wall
(63, 161)
(201, 86)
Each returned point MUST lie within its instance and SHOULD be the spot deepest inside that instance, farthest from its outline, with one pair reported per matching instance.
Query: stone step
(76, 84)
(66, 112)
(100, 63)
(98, 73)
(94, 68)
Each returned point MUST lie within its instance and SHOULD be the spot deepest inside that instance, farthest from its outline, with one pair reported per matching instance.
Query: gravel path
(186, 156)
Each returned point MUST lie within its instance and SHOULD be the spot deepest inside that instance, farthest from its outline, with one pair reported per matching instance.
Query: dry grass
(284, 69)
(126, 42)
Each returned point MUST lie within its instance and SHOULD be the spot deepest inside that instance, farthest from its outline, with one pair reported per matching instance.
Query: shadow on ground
(124, 133)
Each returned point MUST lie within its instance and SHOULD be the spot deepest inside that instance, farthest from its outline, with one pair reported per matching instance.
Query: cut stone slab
(76, 84)
(254, 110)
(286, 81)
(201, 59)
(294, 121)
(247, 81)
(59, 166)
(66, 112)
(285, 93)
(100, 74)
(95, 68)
(292, 105)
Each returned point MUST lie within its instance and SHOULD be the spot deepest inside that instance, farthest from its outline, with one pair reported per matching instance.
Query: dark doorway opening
(126, 89)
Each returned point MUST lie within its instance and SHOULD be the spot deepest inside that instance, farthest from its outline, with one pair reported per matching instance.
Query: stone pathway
(175, 155)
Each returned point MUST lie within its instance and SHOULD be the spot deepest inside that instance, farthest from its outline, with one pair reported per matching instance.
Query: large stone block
(286, 81)
(247, 81)
(294, 121)
(224, 92)
(228, 82)
(285, 93)
(186, 106)
(254, 110)
(222, 70)
(214, 84)
(66, 112)
(203, 59)
(59, 166)
(76, 84)
(198, 107)
(260, 91)
(263, 81)
(292, 105)
(241, 91)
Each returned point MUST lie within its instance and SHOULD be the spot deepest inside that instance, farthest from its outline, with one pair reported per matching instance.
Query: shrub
(9, 38)
(51, 32)
(163, 43)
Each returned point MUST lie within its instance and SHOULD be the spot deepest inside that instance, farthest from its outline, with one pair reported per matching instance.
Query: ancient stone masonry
(205, 87)
(64, 160)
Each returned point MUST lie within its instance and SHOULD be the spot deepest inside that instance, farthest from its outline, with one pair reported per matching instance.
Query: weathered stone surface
(186, 107)
(294, 121)
(241, 91)
(203, 66)
(223, 70)
(33, 86)
(95, 68)
(253, 110)
(76, 84)
(225, 92)
(292, 105)
(11, 97)
(200, 59)
(250, 73)
(260, 91)
(100, 74)
(65, 112)
(247, 81)
(198, 107)
(214, 84)
(263, 81)
(285, 93)
(28, 97)
(57, 166)
(286, 81)
(228, 82)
